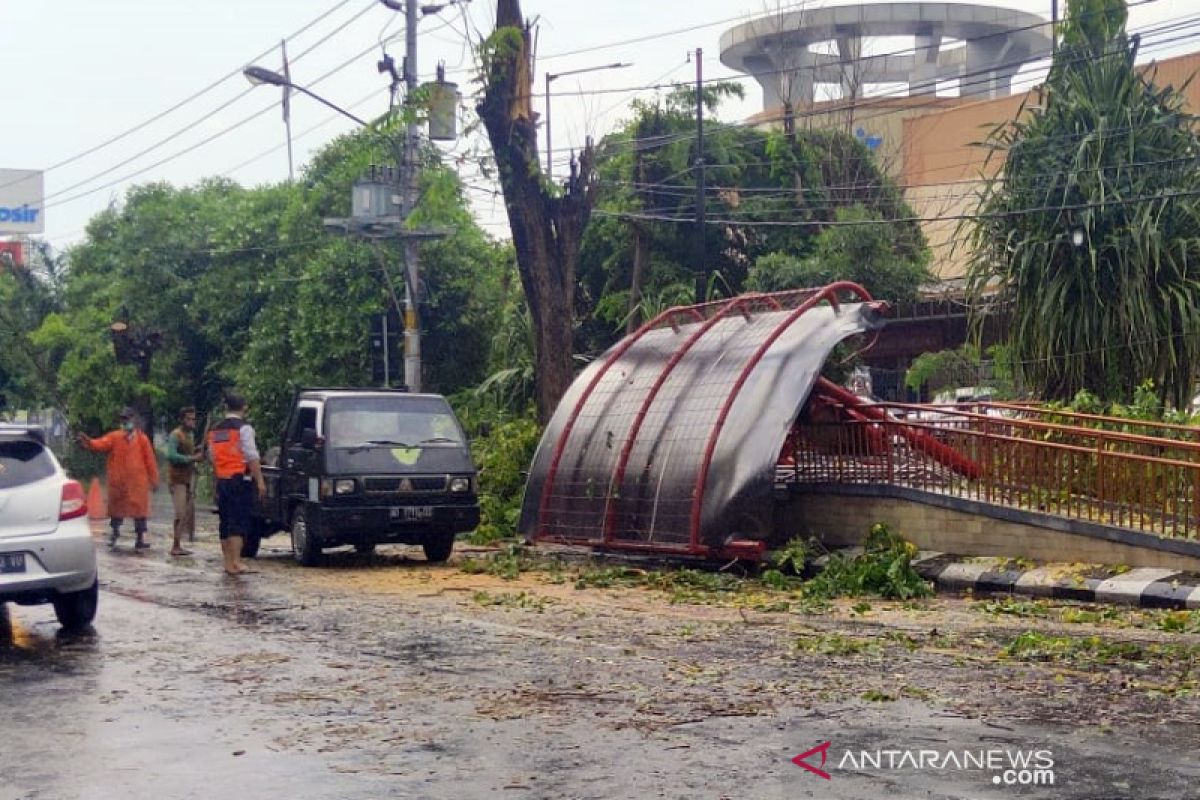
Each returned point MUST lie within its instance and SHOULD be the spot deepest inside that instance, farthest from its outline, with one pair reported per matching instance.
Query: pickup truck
(364, 467)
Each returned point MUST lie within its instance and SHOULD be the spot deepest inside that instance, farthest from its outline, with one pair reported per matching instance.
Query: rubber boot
(140, 530)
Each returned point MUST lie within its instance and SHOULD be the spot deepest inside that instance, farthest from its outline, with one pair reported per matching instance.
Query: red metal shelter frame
(554, 505)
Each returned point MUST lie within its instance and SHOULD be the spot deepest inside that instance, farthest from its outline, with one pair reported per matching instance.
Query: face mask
(127, 426)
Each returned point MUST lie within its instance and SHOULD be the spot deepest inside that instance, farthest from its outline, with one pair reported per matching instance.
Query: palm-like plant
(511, 382)
(1092, 232)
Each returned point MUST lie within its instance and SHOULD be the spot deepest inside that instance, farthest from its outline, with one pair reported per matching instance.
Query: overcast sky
(80, 72)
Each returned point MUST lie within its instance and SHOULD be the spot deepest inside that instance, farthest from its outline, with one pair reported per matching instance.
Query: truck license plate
(12, 562)
(413, 513)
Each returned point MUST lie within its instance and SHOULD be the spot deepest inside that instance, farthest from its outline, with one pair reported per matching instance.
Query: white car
(46, 549)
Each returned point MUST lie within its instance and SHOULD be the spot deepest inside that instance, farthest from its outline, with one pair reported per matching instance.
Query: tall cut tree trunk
(547, 226)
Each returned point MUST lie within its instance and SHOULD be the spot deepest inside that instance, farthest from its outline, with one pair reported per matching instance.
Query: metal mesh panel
(654, 503)
(620, 462)
(575, 507)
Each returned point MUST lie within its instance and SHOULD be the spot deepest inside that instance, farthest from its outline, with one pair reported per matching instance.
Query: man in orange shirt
(236, 465)
(132, 475)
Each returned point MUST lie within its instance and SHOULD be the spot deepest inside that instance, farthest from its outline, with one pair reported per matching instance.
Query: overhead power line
(197, 122)
(189, 99)
(980, 77)
(1121, 201)
(192, 148)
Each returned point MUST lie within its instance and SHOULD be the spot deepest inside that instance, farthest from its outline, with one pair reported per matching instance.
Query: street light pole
(261, 75)
(555, 76)
(408, 200)
(287, 109)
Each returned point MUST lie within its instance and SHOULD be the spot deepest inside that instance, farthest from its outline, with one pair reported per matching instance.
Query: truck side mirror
(308, 438)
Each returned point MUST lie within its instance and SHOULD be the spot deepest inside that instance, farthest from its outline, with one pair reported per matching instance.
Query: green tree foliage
(862, 248)
(1104, 158)
(27, 295)
(1091, 25)
(502, 445)
(964, 366)
(800, 185)
(247, 290)
(510, 383)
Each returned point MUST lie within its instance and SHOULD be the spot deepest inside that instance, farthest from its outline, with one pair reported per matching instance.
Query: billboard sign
(21, 201)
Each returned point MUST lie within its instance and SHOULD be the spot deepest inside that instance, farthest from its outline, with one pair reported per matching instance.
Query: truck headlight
(460, 484)
(343, 487)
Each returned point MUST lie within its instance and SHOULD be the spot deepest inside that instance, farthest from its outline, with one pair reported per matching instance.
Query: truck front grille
(420, 484)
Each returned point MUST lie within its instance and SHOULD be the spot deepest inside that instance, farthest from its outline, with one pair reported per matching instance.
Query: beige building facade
(943, 167)
(933, 148)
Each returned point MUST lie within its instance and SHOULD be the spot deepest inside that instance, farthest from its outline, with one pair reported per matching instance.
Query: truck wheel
(437, 547)
(76, 609)
(306, 546)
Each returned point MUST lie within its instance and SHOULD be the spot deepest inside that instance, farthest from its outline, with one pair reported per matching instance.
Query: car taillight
(73, 502)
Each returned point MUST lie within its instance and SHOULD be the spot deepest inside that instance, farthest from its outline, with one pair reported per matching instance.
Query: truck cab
(364, 467)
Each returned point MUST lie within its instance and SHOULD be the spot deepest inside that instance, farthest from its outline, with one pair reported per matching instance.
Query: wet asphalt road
(277, 685)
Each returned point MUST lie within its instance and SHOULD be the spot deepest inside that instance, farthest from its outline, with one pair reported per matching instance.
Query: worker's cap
(128, 413)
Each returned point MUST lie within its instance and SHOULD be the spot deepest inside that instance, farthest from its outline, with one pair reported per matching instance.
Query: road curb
(1143, 587)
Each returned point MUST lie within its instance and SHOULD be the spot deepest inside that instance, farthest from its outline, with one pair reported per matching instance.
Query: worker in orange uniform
(234, 454)
(132, 475)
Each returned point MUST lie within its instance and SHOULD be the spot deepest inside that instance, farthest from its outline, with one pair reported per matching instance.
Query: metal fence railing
(1096, 469)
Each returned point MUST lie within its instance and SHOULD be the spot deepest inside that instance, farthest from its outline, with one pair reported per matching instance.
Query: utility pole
(701, 270)
(371, 215)
(408, 200)
(1054, 26)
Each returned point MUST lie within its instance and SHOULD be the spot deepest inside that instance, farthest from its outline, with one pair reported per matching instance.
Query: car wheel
(437, 547)
(306, 546)
(365, 548)
(76, 609)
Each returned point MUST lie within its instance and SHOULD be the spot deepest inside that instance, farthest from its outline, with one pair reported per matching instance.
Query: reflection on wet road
(133, 709)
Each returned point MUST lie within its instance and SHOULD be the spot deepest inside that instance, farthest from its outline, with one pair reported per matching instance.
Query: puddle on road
(153, 702)
(44, 646)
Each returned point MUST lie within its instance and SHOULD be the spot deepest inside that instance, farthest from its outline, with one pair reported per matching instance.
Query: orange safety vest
(225, 444)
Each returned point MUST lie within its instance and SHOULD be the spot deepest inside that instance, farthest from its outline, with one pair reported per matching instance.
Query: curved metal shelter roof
(668, 442)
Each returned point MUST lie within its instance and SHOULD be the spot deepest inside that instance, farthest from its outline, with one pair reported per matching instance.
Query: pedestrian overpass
(690, 435)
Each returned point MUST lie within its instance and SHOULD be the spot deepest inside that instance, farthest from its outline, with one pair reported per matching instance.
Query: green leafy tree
(787, 210)
(862, 248)
(1093, 229)
(28, 294)
(244, 288)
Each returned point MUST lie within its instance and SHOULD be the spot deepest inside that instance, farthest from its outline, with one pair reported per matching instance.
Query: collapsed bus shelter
(669, 441)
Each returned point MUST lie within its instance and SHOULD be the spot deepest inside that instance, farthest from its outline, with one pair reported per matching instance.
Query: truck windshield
(365, 422)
